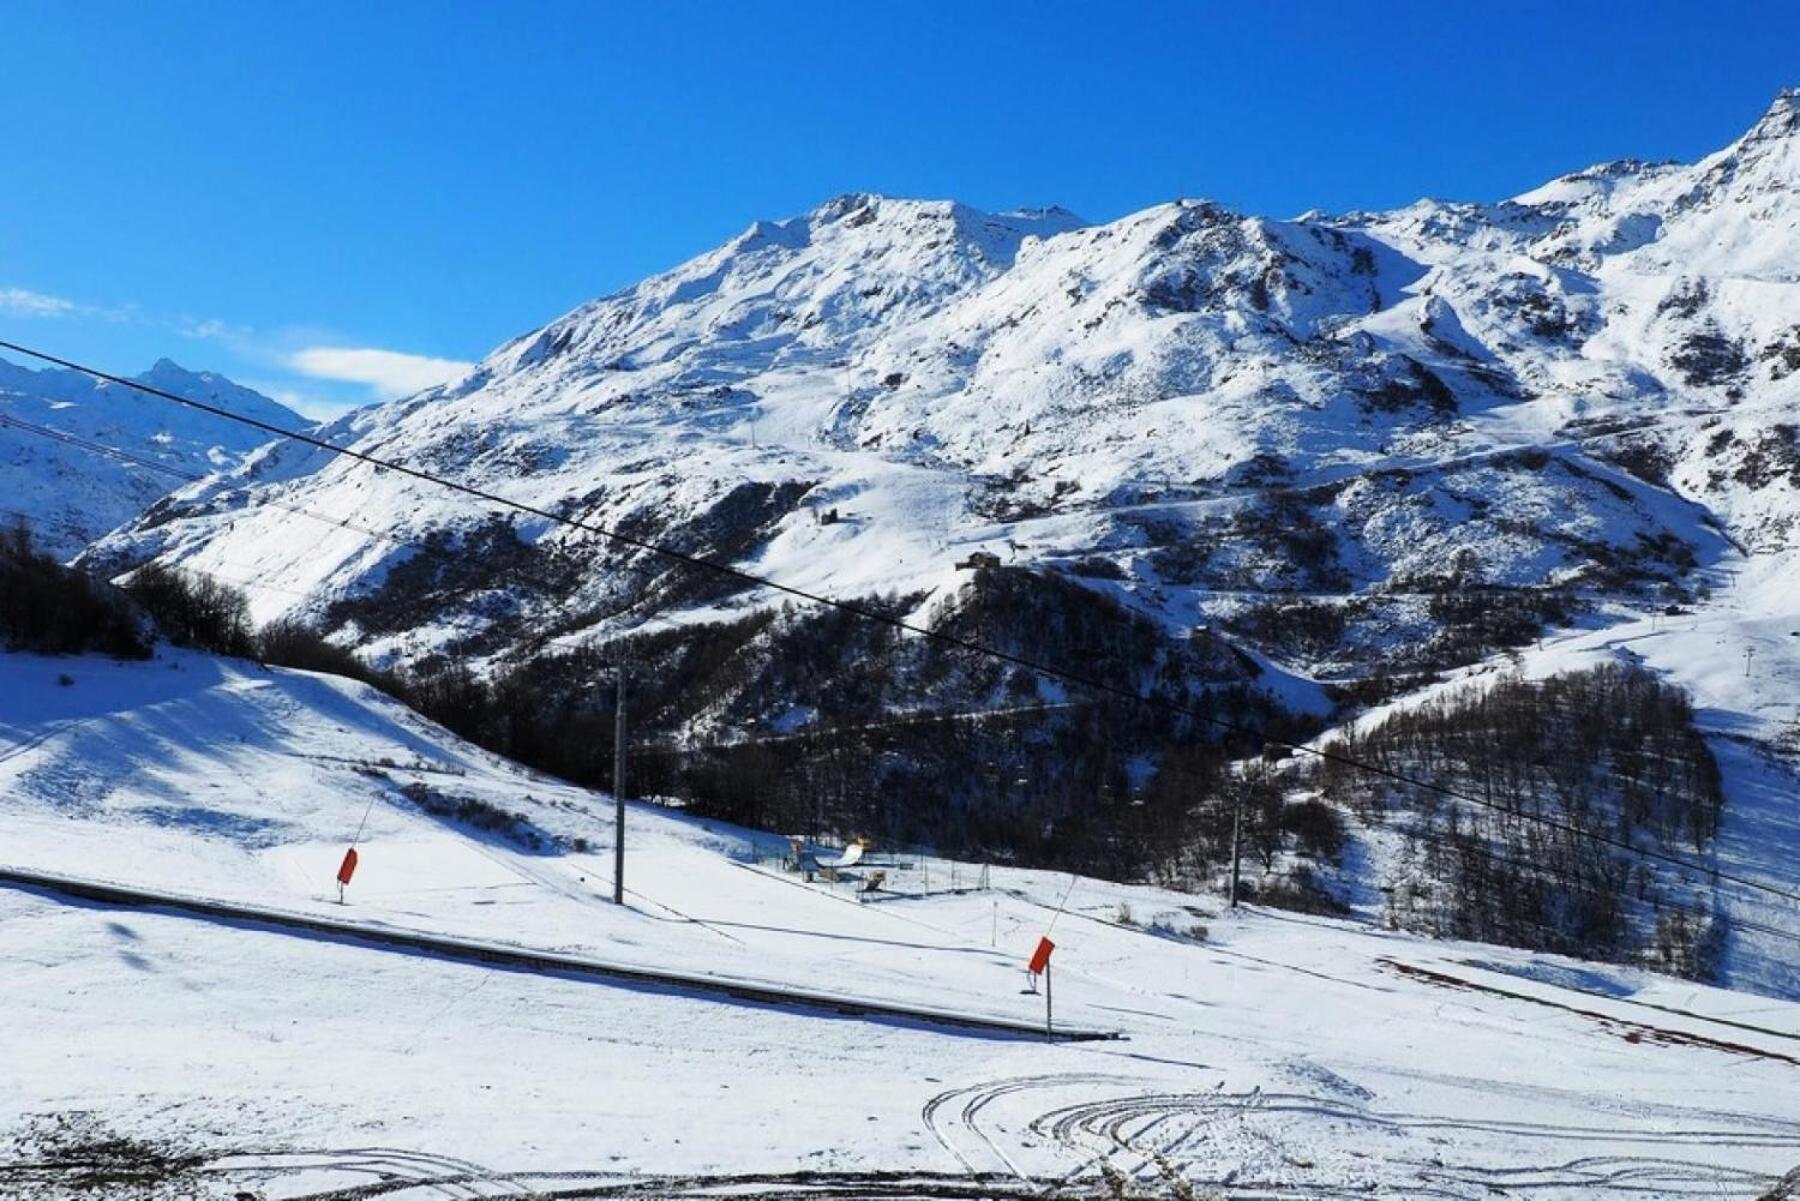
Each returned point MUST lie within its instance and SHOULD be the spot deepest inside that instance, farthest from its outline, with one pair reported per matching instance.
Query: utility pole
(619, 793)
(1237, 822)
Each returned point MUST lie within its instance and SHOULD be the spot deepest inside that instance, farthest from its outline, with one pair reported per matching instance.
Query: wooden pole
(1237, 821)
(619, 794)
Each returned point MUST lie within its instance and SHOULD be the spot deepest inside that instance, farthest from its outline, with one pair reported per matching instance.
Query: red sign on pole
(348, 868)
(1040, 958)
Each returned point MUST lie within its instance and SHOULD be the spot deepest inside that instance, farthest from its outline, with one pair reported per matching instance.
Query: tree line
(811, 721)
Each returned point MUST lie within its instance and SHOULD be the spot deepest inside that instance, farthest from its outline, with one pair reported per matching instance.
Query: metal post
(619, 794)
(1237, 820)
(1049, 1032)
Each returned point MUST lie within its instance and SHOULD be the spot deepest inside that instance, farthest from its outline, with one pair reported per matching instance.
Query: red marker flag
(1040, 958)
(348, 868)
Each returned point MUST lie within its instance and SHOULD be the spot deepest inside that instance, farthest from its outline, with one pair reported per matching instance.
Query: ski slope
(1273, 1055)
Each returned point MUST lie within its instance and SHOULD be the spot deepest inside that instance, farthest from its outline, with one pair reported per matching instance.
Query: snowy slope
(1738, 658)
(70, 496)
(1274, 1055)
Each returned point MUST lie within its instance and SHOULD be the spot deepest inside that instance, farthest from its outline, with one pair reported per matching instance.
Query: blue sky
(322, 199)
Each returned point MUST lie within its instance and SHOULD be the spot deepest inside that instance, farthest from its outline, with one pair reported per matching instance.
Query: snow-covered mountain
(1285, 467)
(1568, 390)
(68, 494)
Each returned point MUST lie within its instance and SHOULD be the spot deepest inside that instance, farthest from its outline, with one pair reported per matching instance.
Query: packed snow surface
(1262, 1053)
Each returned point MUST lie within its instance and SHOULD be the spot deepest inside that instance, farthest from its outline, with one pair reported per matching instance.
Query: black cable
(111, 452)
(180, 473)
(867, 614)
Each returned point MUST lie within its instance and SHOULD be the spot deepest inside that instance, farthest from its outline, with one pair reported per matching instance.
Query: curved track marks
(1293, 1144)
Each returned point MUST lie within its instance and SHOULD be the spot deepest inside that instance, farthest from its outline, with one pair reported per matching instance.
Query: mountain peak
(860, 208)
(169, 376)
(1757, 166)
(855, 209)
(167, 368)
(1782, 120)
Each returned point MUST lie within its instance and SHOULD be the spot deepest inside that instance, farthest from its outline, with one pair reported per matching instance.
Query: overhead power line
(1047, 671)
(99, 448)
(181, 473)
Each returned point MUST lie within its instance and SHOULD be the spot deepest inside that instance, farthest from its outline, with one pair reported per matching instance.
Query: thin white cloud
(348, 376)
(212, 329)
(23, 302)
(390, 373)
(310, 403)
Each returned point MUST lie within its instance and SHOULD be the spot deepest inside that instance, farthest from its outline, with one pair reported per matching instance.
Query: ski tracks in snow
(1188, 1145)
(955, 1127)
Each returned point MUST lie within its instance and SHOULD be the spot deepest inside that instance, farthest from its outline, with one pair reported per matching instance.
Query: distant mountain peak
(168, 369)
(1758, 168)
(70, 494)
(1047, 212)
(855, 210)
(1782, 120)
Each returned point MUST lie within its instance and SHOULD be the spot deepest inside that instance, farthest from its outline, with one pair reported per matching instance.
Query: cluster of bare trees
(1558, 773)
(821, 722)
(52, 609)
(195, 610)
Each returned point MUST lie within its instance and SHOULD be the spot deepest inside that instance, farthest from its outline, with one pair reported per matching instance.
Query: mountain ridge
(69, 495)
(930, 339)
